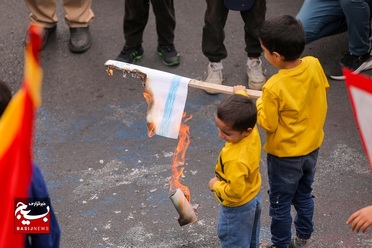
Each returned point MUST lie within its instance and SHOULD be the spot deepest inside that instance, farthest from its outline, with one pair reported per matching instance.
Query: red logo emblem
(32, 215)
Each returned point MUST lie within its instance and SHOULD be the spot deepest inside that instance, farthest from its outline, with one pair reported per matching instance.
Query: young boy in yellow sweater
(237, 179)
(292, 111)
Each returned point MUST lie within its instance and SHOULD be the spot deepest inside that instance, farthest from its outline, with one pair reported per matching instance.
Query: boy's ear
(248, 131)
(277, 56)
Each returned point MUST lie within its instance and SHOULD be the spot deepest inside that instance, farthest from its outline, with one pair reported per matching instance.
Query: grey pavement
(109, 181)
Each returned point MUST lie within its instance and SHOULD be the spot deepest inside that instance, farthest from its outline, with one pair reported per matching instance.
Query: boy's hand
(212, 182)
(238, 87)
(361, 219)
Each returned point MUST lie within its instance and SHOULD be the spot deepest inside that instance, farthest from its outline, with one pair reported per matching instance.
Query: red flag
(360, 93)
(16, 133)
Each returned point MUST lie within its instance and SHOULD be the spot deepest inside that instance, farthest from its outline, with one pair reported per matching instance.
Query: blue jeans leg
(240, 226)
(290, 182)
(321, 18)
(358, 17)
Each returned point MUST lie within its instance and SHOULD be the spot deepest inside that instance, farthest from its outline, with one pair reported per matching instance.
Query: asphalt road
(109, 182)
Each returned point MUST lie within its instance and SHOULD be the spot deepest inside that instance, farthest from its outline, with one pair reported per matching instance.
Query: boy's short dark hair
(284, 35)
(238, 112)
(5, 96)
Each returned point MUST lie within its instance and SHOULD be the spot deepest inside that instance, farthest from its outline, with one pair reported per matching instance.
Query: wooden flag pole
(138, 71)
(221, 88)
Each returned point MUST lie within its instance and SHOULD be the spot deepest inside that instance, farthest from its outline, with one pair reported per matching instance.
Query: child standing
(292, 111)
(237, 179)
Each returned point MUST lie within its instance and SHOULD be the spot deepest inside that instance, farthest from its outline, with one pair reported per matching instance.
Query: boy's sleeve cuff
(242, 92)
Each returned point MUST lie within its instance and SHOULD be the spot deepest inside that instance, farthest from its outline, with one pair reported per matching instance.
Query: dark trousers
(214, 35)
(136, 17)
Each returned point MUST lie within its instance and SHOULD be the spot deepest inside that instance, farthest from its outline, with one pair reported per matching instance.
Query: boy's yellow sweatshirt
(238, 168)
(293, 108)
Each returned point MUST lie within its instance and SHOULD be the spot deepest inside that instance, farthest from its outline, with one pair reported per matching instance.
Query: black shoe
(354, 63)
(80, 40)
(47, 32)
(130, 54)
(169, 54)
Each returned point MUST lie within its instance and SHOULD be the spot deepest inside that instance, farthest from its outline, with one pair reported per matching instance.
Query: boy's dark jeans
(291, 182)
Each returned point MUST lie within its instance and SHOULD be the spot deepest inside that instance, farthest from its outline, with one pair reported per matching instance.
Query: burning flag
(16, 132)
(165, 95)
(360, 93)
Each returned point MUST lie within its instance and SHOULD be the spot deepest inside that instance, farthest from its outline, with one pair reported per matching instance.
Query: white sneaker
(256, 78)
(214, 75)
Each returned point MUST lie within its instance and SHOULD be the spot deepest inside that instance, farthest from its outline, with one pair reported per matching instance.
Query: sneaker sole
(130, 62)
(166, 63)
(137, 58)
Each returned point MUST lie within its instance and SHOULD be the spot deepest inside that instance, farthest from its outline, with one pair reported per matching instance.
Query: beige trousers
(43, 12)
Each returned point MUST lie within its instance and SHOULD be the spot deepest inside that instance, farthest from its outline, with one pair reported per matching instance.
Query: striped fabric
(16, 133)
(167, 95)
(168, 124)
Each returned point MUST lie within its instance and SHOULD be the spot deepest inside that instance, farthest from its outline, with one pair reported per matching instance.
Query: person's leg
(165, 20)
(136, 15)
(78, 16)
(358, 17)
(303, 199)
(256, 226)
(78, 13)
(135, 20)
(43, 12)
(253, 19)
(321, 18)
(284, 175)
(239, 226)
(165, 26)
(213, 40)
(213, 31)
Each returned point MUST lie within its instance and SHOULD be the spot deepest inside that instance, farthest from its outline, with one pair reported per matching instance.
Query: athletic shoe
(214, 75)
(256, 78)
(354, 63)
(169, 54)
(299, 243)
(130, 54)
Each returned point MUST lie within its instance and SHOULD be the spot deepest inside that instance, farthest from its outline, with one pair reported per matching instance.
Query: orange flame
(178, 160)
(179, 194)
(150, 102)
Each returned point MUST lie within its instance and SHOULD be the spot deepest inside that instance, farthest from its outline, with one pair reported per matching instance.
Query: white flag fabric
(168, 92)
(360, 93)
